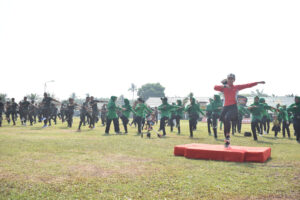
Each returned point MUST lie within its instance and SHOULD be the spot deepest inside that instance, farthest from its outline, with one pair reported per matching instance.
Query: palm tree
(32, 96)
(259, 93)
(132, 89)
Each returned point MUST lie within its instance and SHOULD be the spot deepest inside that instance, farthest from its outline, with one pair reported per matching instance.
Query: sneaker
(148, 135)
(158, 135)
(45, 126)
(260, 134)
(227, 143)
(44, 118)
(265, 133)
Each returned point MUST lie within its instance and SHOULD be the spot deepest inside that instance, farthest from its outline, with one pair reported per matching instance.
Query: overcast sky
(101, 47)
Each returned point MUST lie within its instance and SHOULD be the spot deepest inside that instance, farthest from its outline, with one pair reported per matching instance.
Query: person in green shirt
(295, 109)
(193, 111)
(217, 106)
(209, 115)
(179, 114)
(265, 120)
(256, 110)
(285, 121)
(165, 113)
(140, 110)
(112, 115)
(242, 111)
(126, 110)
(172, 118)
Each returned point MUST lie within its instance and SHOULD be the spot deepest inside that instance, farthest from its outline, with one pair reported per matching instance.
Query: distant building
(156, 101)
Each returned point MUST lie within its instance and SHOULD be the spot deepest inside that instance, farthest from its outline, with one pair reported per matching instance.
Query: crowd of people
(227, 111)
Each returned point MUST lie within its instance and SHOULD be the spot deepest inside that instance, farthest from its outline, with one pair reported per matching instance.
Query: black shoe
(227, 144)
(148, 135)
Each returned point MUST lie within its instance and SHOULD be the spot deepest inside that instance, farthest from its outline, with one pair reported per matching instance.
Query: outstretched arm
(249, 85)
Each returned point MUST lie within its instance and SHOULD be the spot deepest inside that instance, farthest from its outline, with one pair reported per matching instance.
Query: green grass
(60, 163)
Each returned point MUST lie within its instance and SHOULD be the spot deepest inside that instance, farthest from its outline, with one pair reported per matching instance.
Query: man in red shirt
(230, 111)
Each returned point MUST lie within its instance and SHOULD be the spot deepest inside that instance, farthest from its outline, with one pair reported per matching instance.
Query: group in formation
(228, 111)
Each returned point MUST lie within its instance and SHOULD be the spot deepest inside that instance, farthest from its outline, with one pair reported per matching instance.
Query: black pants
(264, 124)
(70, 118)
(254, 126)
(94, 119)
(209, 124)
(116, 125)
(296, 124)
(46, 114)
(234, 126)
(215, 117)
(133, 121)
(178, 123)
(0, 118)
(83, 116)
(7, 115)
(138, 120)
(192, 123)
(31, 117)
(286, 126)
(125, 122)
(143, 122)
(172, 122)
(103, 119)
(22, 116)
(239, 125)
(229, 114)
(162, 125)
(13, 116)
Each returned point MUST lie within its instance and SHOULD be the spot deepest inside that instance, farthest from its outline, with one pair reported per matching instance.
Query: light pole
(45, 85)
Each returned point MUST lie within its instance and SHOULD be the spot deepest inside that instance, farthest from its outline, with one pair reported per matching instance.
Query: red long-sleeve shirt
(230, 93)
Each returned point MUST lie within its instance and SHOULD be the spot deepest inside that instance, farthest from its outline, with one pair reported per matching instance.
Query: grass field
(60, 163)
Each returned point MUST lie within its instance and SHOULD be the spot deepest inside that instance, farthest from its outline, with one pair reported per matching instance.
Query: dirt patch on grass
(292, 196)
(114, 165)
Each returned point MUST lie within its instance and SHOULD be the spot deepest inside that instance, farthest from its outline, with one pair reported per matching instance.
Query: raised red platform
(218, 152)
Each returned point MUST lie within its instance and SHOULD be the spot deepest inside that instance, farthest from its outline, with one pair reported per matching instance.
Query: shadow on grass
(264, 142)
(250, 164)
(114, 134)
(64, 127)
